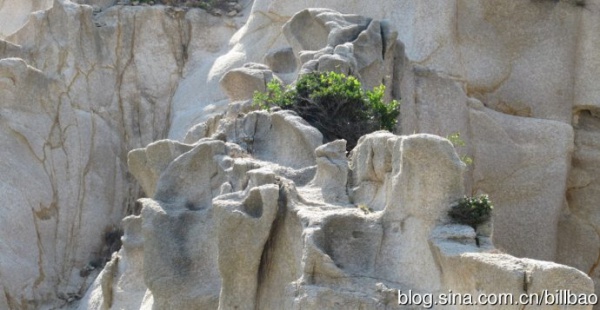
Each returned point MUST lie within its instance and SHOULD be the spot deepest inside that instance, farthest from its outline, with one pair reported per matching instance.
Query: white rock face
(449, 69)
(81, 86)
(14, 14)
(442, 82)
(79, 89)
(525, 149)
(517, 58)
(578, 228)
(228, 230)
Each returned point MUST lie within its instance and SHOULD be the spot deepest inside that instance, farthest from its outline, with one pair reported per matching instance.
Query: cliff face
(80, 88)
(530, 61)
(83, 86)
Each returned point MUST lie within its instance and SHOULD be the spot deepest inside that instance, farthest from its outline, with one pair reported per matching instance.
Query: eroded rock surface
(231, 228)
(79, 88)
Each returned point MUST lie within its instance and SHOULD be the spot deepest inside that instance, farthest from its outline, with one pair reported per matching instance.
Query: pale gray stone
(281, 60)
(241, 83)
(243, 228)
(332, 172)
(325, 40)
(81, 87)
(278, 245)
(523, 149)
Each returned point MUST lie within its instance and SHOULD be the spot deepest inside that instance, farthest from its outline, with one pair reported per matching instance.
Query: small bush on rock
(457, 141)
(335, 104)
(472, 210)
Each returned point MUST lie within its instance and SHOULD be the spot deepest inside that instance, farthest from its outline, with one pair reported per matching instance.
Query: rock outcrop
(83, 85)
(231, 227)
(79, 88)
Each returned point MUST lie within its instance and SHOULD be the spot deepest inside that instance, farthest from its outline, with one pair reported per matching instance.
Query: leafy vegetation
(457, 141)
(335, 104)
(472, 210)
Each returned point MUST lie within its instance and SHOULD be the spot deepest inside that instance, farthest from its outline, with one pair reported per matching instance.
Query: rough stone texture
(90, 85)
(250, 222)
(525, 58)
(50, 176)
(468, 271)
(586, 92)
(120, 285)
(371, 179)
(282, 137)
(148, 164)
(79, 89)
(332, 172)
(281, 60)
(211, 241)
(325, 40)
(412, 210)
(579, 229)
(580, 226)
(98, 5)
(526, 178)
(516, 62)
(534, 59)
(437, 102)
(14, 14)
(522, 163)
(433, 102)
(241, 83)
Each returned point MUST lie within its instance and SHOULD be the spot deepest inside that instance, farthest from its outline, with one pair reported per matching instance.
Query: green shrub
(457, 141)
(335, 104)
(472, 210)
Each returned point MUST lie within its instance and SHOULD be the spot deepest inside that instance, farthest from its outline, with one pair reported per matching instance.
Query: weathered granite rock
(120, 285)
(249, 222)
(578, 228)
(526, 58)
(371, 164)
(98, 5)
(148, 164)
(332, 172)
(241, 83)
(433, 102)
(14, 14)
(524, 149)
(469, 271)
(106, 85)
(509, 153)
(80, 88)
(281, 60)
(326, 40)
(279, 245)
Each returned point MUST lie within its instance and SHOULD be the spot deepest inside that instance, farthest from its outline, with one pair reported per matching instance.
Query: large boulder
(326, 40)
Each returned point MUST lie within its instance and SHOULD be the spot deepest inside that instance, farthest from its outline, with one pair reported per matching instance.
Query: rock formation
(252, 212)
(235, 225)
(79, 89)
(83, 85)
